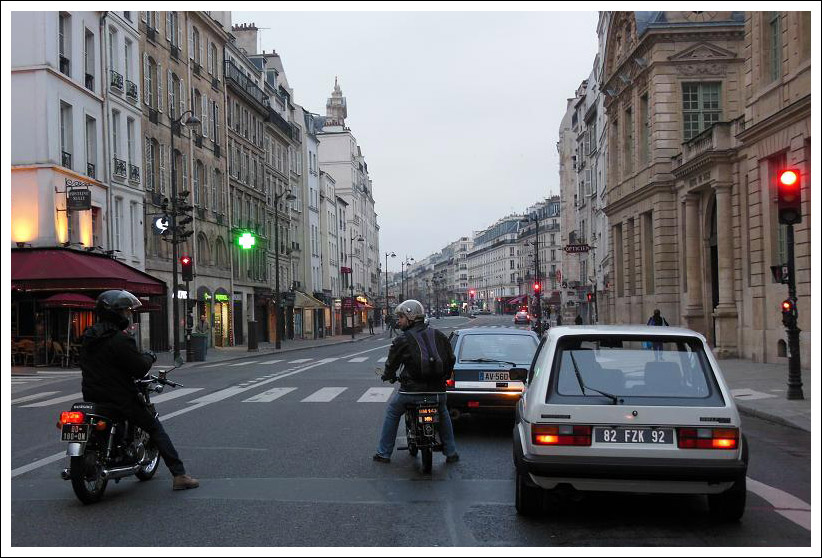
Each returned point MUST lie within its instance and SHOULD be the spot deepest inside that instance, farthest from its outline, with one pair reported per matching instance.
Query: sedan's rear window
(513, 348)
(627, 367)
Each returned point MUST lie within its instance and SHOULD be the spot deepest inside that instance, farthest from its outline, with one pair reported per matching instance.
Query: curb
(770, 417)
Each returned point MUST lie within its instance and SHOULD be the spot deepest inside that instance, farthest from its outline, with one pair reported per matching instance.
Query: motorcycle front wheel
(151, 460)
(427, 459)
(86, 478)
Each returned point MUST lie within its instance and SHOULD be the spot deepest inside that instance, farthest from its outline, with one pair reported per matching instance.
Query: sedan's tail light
(450, 382)
(708, 438)
(560, 435)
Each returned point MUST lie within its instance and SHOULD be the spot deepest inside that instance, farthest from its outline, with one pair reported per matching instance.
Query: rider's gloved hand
(152, 355)
(387, 378)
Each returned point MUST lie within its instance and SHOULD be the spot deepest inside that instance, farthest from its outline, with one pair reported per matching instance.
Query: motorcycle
(103, 446)
(422, 427)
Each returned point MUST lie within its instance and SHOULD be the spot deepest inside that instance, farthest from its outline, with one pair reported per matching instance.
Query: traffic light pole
(794, 363)
(189, 324)
(175, 297)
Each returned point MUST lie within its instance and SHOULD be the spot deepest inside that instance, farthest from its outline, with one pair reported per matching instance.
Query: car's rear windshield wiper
(489, 360)
(583, 387)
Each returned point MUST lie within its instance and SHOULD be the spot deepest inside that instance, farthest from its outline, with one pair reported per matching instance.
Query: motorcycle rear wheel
(147, 471)
(427, 459)
(88, 485)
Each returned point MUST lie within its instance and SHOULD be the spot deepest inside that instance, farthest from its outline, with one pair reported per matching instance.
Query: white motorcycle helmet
(411, 309)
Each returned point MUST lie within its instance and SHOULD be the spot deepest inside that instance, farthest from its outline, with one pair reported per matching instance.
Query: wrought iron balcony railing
(119, 167)
(131, 90)
(116, 80)
(66, 160)
(134, 173)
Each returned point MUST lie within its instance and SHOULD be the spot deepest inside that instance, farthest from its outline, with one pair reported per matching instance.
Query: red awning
(52, 269)
(69, 300)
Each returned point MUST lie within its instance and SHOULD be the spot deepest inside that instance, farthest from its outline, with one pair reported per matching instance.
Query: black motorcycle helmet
(115, 307)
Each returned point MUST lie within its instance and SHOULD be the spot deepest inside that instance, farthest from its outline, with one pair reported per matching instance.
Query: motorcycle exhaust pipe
(119, 472)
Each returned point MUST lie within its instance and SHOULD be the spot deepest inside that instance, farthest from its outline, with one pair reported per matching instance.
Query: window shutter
(170, 85)
(149, 170)
(182, 93)
(143, 17)
(216, 123)
(204, 115)
(156, 20)
(185, 173)
(201, 59)
(162, 169)
(210, 59)
(190, 43)
(146, 78)
(169, 25)
(159, 87)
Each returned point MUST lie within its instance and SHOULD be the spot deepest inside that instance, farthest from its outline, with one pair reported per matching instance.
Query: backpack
(431, 367)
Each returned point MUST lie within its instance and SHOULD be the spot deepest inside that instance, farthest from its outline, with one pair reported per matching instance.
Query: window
(772, 46)
(151, 163)
(91, 147)
(700, 107)
(115, 133)
(64, 42)
(195, 46)
(88, 60)
(66, 134)
(215, 122)
(648, 250)
(804, 35)
(645, 128)
(197, 166)
(618, 261)
(130, 141)
(127, 66)
(629, 140)
(117, 222)
(212, 59)
(113, 62)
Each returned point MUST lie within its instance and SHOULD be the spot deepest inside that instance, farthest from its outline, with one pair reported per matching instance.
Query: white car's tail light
(560, 435)
(708, 438)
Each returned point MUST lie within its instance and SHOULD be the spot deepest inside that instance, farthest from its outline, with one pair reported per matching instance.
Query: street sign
(160, 224)
(576, 248)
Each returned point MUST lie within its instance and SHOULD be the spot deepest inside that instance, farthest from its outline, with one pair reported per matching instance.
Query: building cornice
(797, 110)
(50, 69)
(630, 200)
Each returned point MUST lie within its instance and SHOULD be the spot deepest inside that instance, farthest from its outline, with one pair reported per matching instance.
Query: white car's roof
(559, 331)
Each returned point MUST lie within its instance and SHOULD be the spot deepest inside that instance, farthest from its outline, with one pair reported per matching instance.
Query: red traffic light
(185, 260)
(187, 268)
(590, 297)
(787, 305)
(536, 286)
(789, 197)
(473, 292)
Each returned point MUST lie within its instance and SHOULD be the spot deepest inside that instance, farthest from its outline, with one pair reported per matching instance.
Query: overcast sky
(456, 113)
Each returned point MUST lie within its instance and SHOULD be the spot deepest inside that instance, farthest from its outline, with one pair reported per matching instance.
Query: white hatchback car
(628, 409)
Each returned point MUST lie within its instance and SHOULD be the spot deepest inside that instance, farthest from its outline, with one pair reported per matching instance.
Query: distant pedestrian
(578, 319)
(203, 326)
(371, 324)
(657, 320)
(559, 318)
(391, 321)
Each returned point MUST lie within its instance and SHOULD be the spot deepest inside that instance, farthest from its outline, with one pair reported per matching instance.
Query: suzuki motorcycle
(422, 427)
(102, 446)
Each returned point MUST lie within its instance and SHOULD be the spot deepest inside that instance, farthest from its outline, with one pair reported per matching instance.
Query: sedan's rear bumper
(483, 400)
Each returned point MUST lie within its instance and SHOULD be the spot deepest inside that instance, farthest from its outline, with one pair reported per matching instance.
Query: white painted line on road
(330, 359)
(268, 396)
(272, 361)
(18, 381)
(298, 361)
(376, 395)
(179, 392)
(75, 396)
(359, 359)
(749, 394)
(244, 363)
(33, 396)
(218, 395)
(324, 395)
(214, 365)
(383, 359)
(37, 464)
(366, 351)
(59, 372)
(785, 504)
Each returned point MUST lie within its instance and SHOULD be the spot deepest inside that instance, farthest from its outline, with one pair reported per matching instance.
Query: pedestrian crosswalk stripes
(358, 359)
(270, 395)
(299, 360)
(179, 392)
(376, 395)
(272, 361)
(72, 397)
(244, 363)
(324, 395)
(33, 396)
(383, 359)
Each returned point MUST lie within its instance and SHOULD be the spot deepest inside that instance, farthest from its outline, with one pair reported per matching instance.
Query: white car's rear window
(653, 367)
(513, 348)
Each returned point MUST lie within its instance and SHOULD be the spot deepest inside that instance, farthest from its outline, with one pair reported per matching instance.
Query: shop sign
(348, 303)
(182, 295)
(221, 297)
(362, 299)
(78, 199)
(576, 248)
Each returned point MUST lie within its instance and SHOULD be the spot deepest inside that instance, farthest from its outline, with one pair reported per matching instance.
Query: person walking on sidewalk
(391, 325)
(657, 320)
(371, 324)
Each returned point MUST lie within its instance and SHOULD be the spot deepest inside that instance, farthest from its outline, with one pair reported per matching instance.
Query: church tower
(335, 109)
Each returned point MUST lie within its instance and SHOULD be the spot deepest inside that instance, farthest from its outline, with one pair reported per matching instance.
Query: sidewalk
(759, 389)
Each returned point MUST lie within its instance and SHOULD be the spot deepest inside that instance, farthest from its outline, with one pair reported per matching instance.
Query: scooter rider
(406, 352)
(111, 362)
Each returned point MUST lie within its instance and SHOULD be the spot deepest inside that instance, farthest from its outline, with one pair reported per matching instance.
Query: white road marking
(376, 395)
(324, 395)
(383, 359)
(75, 396)
(179, 392)
(358, 359)
(244, 363)
(272, 361)
(214, 365)
(749, 394)
(366, 351)
(331, 359)
(298, 361)
(785, 504)
(270, 395)
(33, 396)
(218, 395)
(15, 381)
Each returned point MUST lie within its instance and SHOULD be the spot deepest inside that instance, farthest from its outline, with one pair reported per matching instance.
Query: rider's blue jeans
(396, 409)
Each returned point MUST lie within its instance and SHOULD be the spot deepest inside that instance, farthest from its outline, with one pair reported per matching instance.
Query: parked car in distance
(628, 409)
(480, 383)
(522, 318)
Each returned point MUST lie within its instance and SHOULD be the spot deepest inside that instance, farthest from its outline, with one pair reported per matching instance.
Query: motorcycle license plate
(75, 433)
(428, 414)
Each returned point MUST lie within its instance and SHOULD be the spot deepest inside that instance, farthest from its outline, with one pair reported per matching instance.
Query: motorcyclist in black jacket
(405, 352)
(110, 363)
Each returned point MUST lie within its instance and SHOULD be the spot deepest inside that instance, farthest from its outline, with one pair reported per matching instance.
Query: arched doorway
(222, 318)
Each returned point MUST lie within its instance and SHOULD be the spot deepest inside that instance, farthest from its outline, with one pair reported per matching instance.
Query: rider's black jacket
(110, 363)
(404, 351)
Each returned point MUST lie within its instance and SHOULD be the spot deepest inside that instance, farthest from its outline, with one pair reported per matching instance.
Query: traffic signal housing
(789, 197)
(590, 297)
(187, 266)
(788, 313)
(536, 287)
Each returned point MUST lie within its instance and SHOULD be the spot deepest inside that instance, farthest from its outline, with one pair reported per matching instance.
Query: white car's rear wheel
(529, 496)
(729, 505)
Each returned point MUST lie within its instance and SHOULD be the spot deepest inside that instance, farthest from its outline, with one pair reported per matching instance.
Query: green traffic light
(247, 240)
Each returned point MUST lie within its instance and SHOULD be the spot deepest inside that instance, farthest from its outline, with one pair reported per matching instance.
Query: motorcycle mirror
(162, 374)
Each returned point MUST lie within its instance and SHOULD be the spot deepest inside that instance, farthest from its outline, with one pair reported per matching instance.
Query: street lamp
(278, 304)
(351, 277)
(408, 261)
(175, 240)
(534, 217)
(393, 255)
